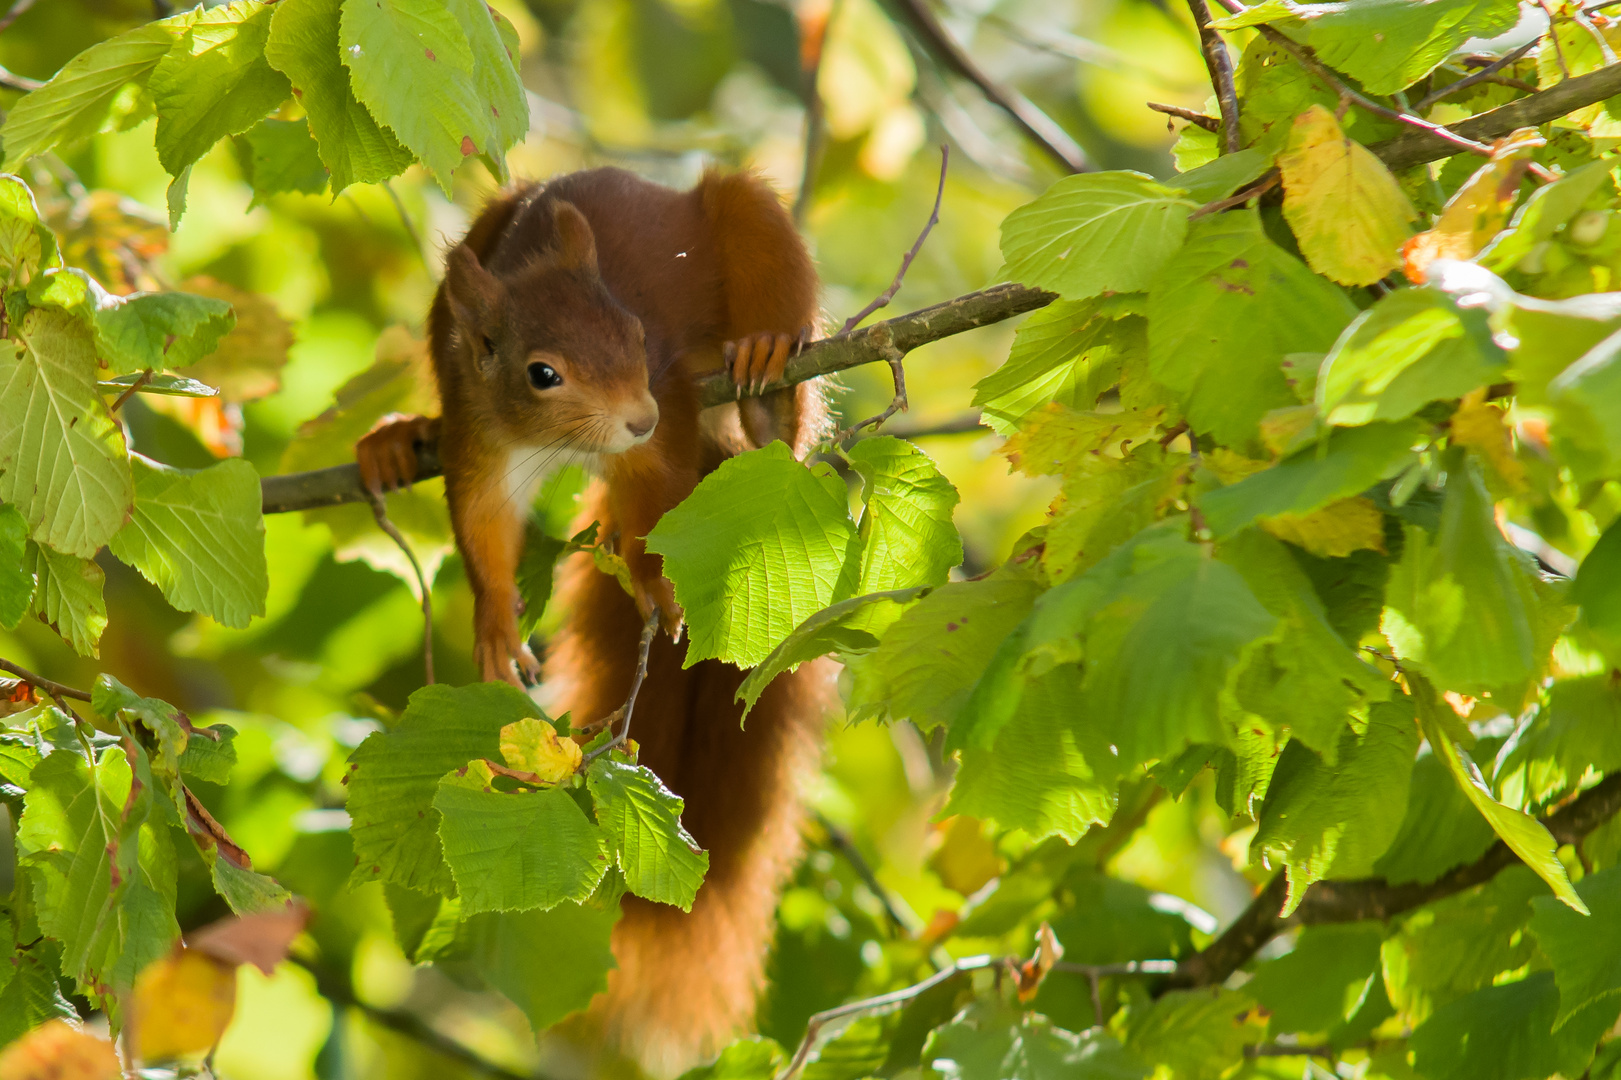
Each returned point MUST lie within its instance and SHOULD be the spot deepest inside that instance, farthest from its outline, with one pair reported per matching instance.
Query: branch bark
(341, 483)
(1375, 898)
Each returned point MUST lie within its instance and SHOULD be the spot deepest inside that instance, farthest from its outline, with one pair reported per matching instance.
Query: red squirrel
(573, 324)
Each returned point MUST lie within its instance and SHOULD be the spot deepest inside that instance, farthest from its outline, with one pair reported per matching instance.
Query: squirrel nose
(641, 425)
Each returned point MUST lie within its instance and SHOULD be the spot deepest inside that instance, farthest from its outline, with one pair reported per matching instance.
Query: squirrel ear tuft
(576, 246)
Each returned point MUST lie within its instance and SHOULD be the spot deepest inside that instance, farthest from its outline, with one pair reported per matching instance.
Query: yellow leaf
(1334, 531)
(1482, 427)
(966, 858)
(615, 567)
(1288, 429)
(182, 1005)
(58, 1051)
(1478, 211)
(247, 365)
(1347, 211)
(1052, 438)
(532, 746)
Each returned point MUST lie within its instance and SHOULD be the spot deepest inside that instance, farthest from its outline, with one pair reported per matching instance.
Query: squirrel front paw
(387, 454)
(659, 594)
(759, 359)
(502, 656)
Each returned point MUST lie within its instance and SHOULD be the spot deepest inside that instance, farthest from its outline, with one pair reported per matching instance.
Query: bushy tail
(687, 983)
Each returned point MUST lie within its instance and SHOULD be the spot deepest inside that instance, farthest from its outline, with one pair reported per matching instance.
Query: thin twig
(1483, 75)
(1036, 124)
(11, 16)
(410, 230)
(12, 81)
(852, 855)
(873, 1005)
(1130, 967)
(896, 358)
(648, 633)
(337, 991)
(134, 387)
(1264, 183)
(1220, 65)
(379, 510)
(883, 298)
(1553, 36)
(55, 689)
(968, 423)
(1192, 116)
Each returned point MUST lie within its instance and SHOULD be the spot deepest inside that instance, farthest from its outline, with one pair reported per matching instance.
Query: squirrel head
(561, 359)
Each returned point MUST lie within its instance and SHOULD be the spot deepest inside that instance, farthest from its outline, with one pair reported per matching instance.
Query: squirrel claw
(757, 360)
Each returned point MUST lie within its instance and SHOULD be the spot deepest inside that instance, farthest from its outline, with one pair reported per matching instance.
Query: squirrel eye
(489, 346)
(544, 377)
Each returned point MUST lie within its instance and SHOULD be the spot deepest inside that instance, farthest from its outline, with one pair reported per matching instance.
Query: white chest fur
(527, 468)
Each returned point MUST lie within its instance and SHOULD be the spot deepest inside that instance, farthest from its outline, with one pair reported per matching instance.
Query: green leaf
(1230, 274)
(1574, 734)
(1223, 176)
(1585, 950)
(573, 939)
(215, 82)
(1586, 398)
(27, 245)
(1325, 821)
(516, 851)
(1544, 211)
(1440, 829)
(159, 330)
(1525, 835)
(1199, 1034)
(1346, 463)
(1049, 772)
(1462, 605)
(927, 663)
(284, 157)
(1095, 233)
(1308, 680)
(659, 858)
(1112, 921)
(1321, 981)
(30, 990)
(1597, 587)
(63, 462)
(166, 385)
(1412, 347)
(210, 758)
(851, 625)
(303, 45)
(1163, 639)
(438, 76)
(67, 593)
(992, 1041)
(245, 891)
(16, 571)
(860, 1050)
(759, 546)
(1387, 45)
(1506, 1033)
(1070, 352)
(113, 700)
(394, 776)
(1459, 944)
(752, 1057)
(199, 536)
(79, 98)
(907, 536)
(104, 884)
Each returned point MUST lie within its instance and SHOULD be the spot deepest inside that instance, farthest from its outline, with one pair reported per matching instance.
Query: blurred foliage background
(663, 87)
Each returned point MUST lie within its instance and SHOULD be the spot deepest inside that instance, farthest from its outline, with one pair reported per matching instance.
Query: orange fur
(703, 274)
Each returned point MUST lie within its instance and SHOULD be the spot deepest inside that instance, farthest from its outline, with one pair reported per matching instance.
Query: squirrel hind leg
(387, 454)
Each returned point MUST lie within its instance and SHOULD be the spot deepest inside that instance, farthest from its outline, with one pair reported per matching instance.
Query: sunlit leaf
(68, 596)
(642, 817)
(573, 938)
(1585, 949)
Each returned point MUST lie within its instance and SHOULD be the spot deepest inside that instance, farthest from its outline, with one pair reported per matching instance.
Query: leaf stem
(379, 510)
(55, 689)
(648, 632)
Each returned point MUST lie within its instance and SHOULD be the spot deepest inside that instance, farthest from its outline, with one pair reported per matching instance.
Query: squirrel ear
(475, 299)
(576, 246)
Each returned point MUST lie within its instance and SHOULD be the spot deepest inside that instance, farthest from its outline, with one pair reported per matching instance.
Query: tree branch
(1375, 898)
(1418, 147)
(1038, 125)
(1220, 65)
(55, 689)
(341, 483)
